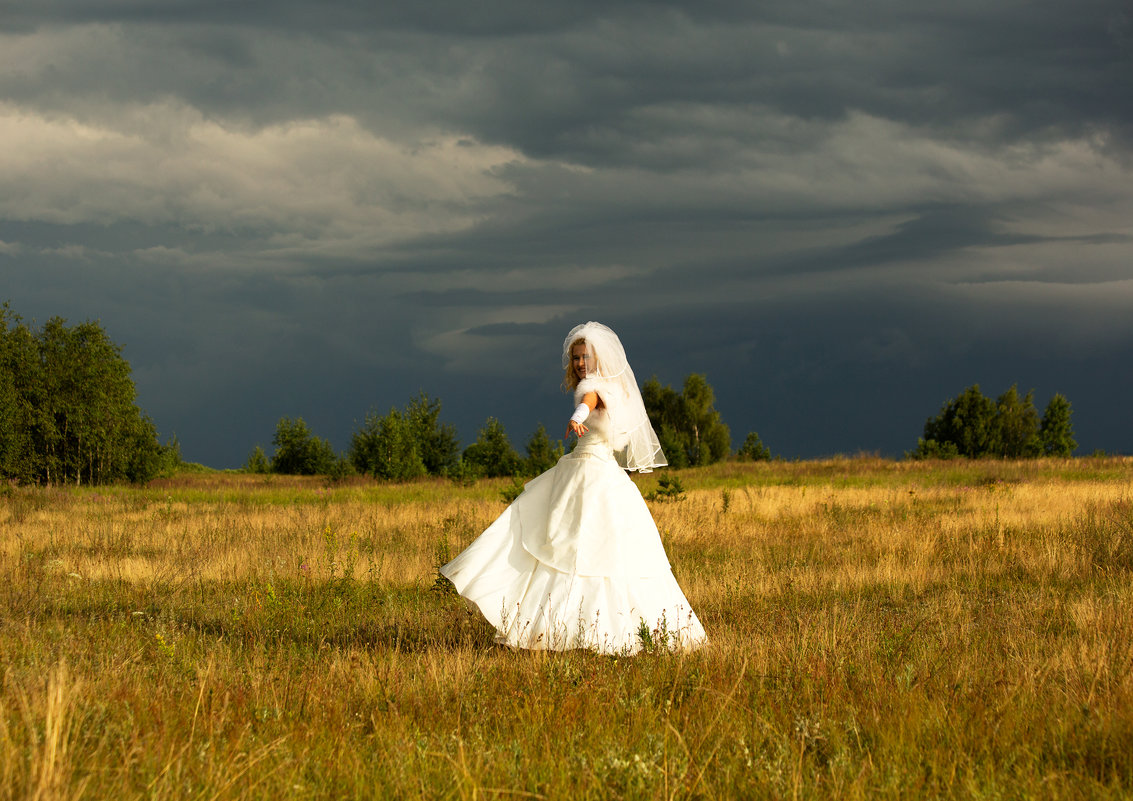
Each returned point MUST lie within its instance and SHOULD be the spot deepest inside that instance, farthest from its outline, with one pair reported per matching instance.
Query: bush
(669, 488)
(964, 422)
(405, 444)
(753, 449)
(491, 454)
(257, 462)
(386, 448)
(673, 444)
(542, 454)
(299, 452)
(931, 449)
(512, 491)
(464, 474)
(436, 442)
(340, 470)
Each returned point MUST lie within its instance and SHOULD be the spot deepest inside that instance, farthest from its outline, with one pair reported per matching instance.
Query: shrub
(931, 449)
(257, 462)
(298, 451)
(405, 444)
(753, 449)
(491, 454)
(542, 454)
(386, 448)
(669, 488)
(512, 491)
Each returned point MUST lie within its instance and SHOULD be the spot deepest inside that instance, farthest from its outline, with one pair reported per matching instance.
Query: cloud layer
(842, 216)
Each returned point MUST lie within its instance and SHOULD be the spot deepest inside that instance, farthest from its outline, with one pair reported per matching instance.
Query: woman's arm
(591, 401)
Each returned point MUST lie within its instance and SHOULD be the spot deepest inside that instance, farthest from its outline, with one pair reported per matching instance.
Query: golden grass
(959, 629)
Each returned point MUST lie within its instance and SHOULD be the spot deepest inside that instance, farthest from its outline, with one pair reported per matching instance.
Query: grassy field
(878, 629)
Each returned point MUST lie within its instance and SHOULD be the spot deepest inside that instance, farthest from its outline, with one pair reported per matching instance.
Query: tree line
(1009, 427)
(411, 442)
(404, 444)
(67, 408)
(68, 415)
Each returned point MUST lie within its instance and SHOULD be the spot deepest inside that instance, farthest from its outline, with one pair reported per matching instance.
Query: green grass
(877, 630)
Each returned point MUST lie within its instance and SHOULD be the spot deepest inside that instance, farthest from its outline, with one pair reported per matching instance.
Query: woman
(576, 560)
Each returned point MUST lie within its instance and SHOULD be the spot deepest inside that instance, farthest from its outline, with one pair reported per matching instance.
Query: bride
(576, 560)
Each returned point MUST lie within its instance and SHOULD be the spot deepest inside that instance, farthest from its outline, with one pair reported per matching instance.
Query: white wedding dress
(576, 562)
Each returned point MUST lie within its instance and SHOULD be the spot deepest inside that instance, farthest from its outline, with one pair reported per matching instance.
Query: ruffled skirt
(576, 562)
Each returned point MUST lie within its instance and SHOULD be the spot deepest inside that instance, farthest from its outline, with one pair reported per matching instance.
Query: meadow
(878, 629)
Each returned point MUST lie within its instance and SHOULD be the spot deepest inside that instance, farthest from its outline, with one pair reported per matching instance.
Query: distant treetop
(974, 426)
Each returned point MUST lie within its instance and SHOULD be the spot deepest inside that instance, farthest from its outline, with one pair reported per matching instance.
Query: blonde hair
(570, 380)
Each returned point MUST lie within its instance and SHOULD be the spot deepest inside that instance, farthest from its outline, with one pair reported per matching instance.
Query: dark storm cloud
(592, 82)
(842, 214)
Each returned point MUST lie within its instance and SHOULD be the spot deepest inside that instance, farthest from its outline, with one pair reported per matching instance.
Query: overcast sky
(842, 213)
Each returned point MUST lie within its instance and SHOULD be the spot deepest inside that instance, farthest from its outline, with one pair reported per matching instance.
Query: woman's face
(580, 359)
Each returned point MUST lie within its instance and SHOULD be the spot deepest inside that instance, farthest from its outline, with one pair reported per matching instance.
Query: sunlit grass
(911, 630)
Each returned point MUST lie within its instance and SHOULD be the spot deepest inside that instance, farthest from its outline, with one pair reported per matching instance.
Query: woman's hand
(578, 429)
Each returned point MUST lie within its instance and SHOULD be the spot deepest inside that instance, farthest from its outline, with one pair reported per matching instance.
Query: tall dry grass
(878, 629)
